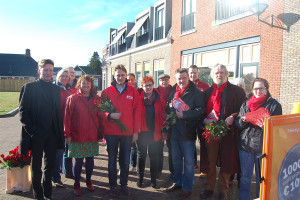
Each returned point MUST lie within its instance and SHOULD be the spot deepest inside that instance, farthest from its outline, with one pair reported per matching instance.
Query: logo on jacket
(129, 97)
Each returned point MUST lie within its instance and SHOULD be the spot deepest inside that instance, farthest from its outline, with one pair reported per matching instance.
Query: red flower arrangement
(15, 159)
(215, 130)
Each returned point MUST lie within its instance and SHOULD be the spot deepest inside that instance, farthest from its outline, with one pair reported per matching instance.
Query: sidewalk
(10, 136)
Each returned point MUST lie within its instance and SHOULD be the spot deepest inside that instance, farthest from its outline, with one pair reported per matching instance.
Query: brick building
(207, 32)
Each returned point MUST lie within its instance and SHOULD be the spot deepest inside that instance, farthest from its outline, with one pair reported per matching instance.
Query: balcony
(188, 22)
(159, 33)
(142, 38)
(225, 9)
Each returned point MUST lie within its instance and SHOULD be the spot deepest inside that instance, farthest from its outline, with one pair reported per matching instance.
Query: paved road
(10, 136)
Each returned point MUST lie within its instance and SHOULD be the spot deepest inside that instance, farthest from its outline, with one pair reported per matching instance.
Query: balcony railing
(225, 9)
(159, 33)
(142, 39)
(188, 22)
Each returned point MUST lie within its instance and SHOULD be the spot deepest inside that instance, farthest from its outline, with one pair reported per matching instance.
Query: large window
(188, 15)
(232, 9)
(159, 66)
(159, 25)
(146, 68)
(186, 61)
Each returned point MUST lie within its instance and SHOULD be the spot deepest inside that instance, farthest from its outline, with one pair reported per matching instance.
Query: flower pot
(18, 179)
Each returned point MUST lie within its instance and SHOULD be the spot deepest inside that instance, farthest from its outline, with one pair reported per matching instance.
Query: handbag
(100, 135)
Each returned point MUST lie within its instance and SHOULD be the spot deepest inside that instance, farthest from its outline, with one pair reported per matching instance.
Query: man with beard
(224, 100)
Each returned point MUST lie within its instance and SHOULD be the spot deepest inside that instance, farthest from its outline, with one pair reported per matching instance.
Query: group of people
(61, 121)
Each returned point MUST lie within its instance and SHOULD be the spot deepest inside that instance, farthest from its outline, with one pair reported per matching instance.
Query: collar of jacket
(114, 83)
(191, 88)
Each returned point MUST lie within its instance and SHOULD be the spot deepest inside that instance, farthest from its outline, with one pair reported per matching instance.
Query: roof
(17, 65)
(56, 69)
(86, 70)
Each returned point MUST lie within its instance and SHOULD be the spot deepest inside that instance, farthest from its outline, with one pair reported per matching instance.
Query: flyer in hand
(178, 104)
(257, 117)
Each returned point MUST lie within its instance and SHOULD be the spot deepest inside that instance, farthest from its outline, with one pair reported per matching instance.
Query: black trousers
(153, 150)
(43, 145)
(171, 169)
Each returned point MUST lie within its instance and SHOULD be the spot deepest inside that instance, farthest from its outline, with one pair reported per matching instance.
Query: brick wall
(290, 81)
(206, 34)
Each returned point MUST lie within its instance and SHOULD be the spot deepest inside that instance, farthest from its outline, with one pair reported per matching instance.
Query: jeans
(133, 155)
(248, 161)
(113, 143)
(56, 171)
(67, 162)
(183, 163)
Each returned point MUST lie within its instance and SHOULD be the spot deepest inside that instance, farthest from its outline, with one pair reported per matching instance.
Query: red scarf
(179, 92)
(214, 101)
(254, 103)
(164, 92)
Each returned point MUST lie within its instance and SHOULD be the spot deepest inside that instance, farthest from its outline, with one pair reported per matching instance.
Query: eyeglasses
(149, 85)
(259, 89)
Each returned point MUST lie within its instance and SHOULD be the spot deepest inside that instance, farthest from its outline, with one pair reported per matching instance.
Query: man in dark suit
(42, 128)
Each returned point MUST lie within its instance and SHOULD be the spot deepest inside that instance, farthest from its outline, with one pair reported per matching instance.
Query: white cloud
(91, 26)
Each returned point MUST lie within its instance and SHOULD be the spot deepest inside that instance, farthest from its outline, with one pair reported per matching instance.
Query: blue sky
(67, 31)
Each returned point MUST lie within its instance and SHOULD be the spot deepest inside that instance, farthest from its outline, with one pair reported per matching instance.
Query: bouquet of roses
(170, 119)
(215, 130)
(105, 105)
(15, 159)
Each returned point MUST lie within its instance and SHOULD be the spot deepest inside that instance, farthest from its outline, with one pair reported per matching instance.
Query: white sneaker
(119, 172)
(133, 169)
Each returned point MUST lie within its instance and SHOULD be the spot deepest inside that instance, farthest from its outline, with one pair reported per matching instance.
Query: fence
(12, 85)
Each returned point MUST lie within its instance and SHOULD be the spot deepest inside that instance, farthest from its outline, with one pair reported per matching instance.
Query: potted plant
(18, 174)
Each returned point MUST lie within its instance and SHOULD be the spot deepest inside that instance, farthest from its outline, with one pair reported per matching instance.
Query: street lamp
(258, 9)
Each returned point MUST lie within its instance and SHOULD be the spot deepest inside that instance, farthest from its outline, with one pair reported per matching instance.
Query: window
(186, 61)
(159, 66)
(144, 29)
(232, 9)
(138, 73)
(146, 68)
(188, 15)
(159, 25)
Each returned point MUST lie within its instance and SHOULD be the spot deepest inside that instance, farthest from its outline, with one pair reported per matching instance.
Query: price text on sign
(289, 175)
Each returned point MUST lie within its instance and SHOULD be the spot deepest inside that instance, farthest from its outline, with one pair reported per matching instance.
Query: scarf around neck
(254, 103)
(179, 92)
(214, 102)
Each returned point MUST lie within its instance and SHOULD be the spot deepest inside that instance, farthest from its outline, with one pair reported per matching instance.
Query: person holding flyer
(187, 102)
(259, 105)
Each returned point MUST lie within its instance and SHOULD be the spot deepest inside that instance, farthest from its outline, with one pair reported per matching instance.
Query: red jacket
(202, 86)
(63, 98)
(159, 107)
(78, 122)
(127, 103)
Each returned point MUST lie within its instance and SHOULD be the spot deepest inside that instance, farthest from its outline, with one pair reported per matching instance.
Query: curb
(10, 113)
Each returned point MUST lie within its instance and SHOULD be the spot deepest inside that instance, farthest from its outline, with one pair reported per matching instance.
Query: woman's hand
(115, 115)
(68, 140)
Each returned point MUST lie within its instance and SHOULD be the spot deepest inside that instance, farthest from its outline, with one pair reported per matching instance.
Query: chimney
(27, 52)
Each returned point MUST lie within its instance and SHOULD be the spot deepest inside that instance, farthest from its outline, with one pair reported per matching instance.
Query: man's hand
(68, 140)
(229, 120)
(115, 115)
(207, 121)
(135, 137)
(179, 114)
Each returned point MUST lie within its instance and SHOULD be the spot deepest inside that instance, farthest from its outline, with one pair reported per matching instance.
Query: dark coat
(186, 128)
(229, 156)
(251, 137)
(30, 109)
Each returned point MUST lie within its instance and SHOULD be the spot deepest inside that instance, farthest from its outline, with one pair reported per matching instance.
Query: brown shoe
(202, 175)
(184, 194)
(77, 190)
(90, 186)
(173, 188)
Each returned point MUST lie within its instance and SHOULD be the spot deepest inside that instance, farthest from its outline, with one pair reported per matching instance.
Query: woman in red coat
(81, 130)
(153, 117)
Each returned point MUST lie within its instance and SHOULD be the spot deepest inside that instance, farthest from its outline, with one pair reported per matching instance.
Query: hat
(163, 76)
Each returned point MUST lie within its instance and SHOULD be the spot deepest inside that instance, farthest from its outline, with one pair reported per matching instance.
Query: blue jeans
(247, 161)
(183, 158)
(113, 143)
(67, 162)
(56, 171)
